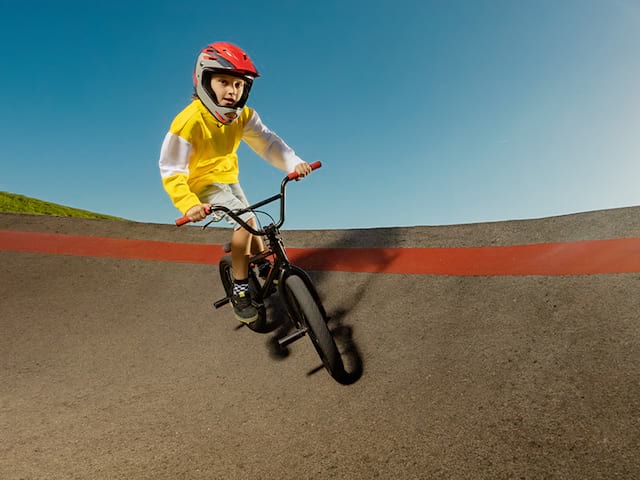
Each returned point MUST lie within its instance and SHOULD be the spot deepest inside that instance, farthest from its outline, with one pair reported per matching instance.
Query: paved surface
(121, 369)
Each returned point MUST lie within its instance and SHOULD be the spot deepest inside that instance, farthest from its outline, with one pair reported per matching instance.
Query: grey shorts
(227, 195)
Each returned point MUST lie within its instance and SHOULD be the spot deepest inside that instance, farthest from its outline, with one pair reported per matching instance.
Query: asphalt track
(486, 351)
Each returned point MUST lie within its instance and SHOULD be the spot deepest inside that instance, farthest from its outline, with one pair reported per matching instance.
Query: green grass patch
(14, 203)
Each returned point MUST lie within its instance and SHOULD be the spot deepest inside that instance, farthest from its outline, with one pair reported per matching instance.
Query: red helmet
(226, 58)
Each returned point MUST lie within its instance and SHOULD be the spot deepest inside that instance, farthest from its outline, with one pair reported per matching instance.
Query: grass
(14, 203)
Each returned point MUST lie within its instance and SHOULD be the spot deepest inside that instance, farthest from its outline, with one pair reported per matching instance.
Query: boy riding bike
(199, 161)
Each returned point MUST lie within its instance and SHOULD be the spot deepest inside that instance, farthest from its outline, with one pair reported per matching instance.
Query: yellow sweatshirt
(198, 151)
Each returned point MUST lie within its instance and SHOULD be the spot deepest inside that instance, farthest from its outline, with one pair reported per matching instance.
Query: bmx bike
(293, 286)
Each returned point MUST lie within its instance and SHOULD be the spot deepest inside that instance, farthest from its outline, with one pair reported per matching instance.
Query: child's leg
(257, 245)
(243, 308)
(240, 247)
(231, 197)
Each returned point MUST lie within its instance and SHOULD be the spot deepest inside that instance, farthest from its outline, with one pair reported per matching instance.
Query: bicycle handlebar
(236, 215)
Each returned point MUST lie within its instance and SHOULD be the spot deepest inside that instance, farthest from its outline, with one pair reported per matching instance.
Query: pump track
(506, 350)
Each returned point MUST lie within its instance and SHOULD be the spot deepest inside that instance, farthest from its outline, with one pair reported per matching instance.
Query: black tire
(305, 308)
(226, 275)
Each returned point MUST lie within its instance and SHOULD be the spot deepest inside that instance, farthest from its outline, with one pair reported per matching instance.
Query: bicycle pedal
(283, 342)
(222, 302)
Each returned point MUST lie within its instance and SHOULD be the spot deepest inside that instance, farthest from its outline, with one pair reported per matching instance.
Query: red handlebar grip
(314, 166)
(182, 220)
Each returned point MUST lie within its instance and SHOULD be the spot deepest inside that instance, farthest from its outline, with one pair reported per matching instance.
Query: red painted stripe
(572, 258)
(59, 244)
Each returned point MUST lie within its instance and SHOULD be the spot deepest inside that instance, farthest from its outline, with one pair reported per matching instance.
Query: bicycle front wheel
(304, 307)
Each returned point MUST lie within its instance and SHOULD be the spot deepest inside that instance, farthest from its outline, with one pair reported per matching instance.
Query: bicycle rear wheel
(304, 307)
(226, 275)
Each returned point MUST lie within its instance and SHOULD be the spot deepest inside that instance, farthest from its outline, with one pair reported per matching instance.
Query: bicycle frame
(282, 268)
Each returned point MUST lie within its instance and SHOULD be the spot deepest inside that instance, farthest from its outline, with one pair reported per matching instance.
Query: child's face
(228, 89)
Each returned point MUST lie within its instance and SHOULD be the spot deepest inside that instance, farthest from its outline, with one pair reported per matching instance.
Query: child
(199, 162)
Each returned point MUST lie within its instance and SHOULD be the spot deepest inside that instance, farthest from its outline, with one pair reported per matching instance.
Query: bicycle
(294, 286)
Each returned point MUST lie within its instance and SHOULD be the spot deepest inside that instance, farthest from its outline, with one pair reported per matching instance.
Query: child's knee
(252, 222)
(240, 235)
(241, 240)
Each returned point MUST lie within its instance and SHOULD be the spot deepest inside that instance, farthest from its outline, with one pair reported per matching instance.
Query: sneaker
(243, 309)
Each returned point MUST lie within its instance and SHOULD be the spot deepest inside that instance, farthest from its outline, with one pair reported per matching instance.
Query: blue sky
(426, 112)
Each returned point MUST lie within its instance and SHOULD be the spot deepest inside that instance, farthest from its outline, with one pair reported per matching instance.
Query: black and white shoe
(243, 309)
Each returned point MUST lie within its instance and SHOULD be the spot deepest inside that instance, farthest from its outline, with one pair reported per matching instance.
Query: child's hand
(198, 212)
(303, 169)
